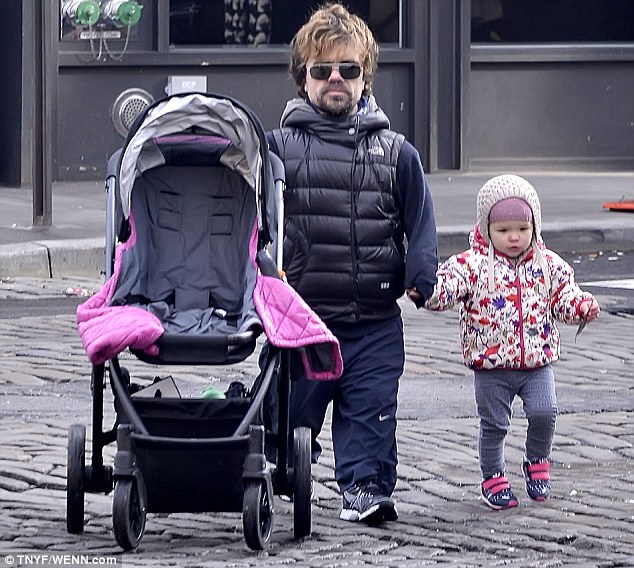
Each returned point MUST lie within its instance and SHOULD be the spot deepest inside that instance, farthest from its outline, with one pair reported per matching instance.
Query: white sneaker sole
(498, 507)
(376, 514)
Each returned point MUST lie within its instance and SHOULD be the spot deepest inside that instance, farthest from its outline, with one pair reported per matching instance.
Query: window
(551, 21)
(263, 22)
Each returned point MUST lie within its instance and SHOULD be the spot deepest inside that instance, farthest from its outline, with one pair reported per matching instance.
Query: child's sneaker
(537, 477)
(497, 493)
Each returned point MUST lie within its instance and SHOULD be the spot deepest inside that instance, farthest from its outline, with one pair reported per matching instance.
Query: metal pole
(40, 159)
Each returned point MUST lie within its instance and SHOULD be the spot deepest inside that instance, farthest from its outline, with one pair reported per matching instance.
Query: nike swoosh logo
(383, 417)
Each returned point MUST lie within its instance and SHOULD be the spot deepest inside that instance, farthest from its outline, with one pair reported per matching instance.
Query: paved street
(44, 382)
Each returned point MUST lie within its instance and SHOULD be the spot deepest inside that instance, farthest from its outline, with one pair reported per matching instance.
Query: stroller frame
(147, 475)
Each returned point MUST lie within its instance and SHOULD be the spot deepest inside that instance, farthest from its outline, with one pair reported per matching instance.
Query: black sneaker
(367, 503)
(497, 493)
(537, 477)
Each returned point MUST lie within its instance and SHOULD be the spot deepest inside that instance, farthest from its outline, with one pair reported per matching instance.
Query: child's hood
(481, 246)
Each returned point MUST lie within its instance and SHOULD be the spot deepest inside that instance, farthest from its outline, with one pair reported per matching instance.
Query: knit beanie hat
(511, 209)
(509, 195)
(503, 187)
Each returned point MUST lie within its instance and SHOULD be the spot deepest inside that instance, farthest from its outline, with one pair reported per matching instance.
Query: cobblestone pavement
(44, 381)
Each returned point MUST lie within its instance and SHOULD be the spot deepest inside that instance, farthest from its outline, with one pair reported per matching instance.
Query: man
(355, 192)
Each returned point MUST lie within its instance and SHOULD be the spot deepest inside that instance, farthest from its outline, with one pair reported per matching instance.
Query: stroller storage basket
(191, 417)
(180, 475)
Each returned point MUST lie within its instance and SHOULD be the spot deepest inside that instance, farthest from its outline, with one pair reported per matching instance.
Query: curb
(589, 238)
(86, 257)
(53, 259)
(559, 237)
(24, 259)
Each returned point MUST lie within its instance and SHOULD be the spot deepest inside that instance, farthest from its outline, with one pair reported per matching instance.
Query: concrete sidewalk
(573, 219)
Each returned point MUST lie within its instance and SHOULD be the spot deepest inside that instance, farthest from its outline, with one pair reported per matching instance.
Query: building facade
(476, 85)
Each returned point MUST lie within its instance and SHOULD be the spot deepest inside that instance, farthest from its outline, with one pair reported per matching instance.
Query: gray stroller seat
(190, 264)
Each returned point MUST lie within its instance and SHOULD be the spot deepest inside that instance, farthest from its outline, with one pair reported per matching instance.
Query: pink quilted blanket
(288, 322)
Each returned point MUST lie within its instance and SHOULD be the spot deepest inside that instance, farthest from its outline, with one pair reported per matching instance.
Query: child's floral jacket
(513, 327)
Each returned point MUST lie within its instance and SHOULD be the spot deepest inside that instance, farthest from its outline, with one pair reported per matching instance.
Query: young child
(511, 289)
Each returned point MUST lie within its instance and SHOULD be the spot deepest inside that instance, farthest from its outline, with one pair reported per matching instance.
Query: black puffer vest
(344, 249)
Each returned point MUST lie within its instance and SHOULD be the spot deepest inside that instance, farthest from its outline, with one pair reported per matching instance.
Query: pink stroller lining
(288, 322)
(106, 330)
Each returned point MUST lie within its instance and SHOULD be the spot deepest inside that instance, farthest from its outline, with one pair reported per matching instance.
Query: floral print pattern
(515, 326)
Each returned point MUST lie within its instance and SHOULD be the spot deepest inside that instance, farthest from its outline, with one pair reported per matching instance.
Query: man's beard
(337, 107)
(338, 111)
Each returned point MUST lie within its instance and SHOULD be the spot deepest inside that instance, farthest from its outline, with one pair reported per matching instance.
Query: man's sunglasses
(322, 71)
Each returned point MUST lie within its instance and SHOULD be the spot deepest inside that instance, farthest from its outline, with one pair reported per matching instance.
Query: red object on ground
(620, 205)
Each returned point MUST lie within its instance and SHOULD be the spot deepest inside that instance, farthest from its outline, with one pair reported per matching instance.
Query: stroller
(196, 201)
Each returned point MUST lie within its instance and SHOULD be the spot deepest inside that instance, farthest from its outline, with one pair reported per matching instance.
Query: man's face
(334, 94)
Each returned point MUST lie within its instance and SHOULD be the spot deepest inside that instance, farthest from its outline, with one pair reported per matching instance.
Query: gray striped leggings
(495, 391)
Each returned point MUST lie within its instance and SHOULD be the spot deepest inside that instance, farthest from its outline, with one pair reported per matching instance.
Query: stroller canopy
(246, 151)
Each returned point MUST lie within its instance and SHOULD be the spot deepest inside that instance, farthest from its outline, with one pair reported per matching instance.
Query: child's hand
(589, 310)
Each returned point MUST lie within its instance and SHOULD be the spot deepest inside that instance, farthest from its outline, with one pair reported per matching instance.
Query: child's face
(511, 238)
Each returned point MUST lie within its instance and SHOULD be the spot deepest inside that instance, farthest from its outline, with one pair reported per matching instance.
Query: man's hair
(332, 25)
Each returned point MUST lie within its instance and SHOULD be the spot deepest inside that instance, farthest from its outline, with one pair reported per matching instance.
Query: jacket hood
(299, 113)
(478, 242)
(483, 245)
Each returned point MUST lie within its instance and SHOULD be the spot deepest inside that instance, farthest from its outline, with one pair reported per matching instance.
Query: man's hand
(415, 296)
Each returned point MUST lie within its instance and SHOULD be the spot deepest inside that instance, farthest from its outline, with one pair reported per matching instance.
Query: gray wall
(466, 107)
(550, 116)
(87, 137)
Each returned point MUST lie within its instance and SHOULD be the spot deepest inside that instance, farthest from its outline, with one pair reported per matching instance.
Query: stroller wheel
(302, 482)
(75, 475)
(128, 513)
(257, 515)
